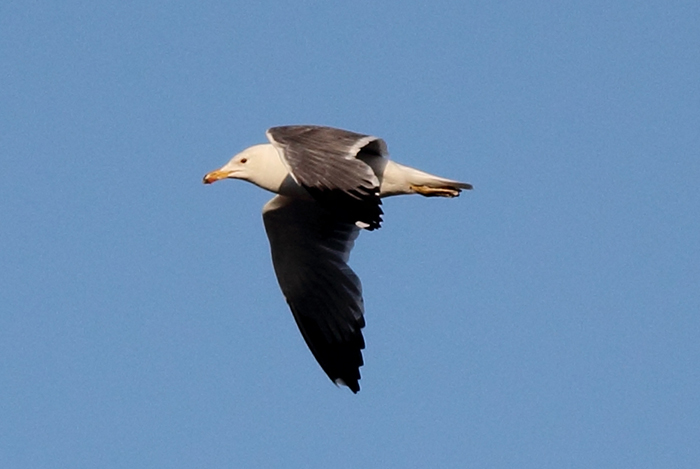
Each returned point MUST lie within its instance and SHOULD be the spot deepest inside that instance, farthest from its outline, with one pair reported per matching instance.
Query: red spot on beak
(215, 176)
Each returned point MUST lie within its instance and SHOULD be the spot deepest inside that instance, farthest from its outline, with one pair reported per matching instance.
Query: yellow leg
(436, 191)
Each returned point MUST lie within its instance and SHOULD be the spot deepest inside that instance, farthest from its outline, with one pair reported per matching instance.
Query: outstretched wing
(310, 249)
(324, 161)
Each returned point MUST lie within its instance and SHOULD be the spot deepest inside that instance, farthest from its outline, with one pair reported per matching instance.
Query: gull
(328, 184)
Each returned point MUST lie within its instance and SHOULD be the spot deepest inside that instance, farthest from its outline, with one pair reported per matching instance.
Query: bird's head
(246, 165)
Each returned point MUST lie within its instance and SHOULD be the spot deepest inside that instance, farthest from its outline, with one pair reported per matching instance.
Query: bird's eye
(243, 160)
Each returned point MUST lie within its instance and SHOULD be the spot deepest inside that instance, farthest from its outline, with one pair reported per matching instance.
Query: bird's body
(329, 184)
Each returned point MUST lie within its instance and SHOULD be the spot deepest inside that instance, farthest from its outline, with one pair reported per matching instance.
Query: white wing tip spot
(340, 382)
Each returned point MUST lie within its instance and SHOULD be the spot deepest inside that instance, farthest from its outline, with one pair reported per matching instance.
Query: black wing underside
(310, 249)
(324, 161)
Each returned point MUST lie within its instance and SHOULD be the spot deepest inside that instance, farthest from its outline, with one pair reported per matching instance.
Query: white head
(259, 164)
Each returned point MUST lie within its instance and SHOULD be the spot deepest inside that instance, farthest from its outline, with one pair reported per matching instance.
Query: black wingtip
(353, 384)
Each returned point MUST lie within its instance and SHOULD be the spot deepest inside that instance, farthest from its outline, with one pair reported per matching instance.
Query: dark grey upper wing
(310, 249)
(323, 160)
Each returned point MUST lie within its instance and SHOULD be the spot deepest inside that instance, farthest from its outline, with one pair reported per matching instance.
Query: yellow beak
(215, 176)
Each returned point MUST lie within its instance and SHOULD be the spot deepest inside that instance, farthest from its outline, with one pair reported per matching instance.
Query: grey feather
(310, 249)
(324, 160)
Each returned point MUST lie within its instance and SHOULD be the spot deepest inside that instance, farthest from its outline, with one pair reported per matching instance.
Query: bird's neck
(269, 171)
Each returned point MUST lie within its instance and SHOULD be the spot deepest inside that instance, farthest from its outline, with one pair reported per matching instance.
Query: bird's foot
(435, 191)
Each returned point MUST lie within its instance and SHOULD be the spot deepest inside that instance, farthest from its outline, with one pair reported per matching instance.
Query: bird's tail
(397, 179)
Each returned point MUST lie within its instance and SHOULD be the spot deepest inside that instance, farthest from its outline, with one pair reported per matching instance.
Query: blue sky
(549, 318)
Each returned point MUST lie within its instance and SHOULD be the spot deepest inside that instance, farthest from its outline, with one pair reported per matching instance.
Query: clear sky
(548, 319)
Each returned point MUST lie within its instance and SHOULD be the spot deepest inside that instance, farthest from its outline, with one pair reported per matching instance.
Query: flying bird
(329, 184)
